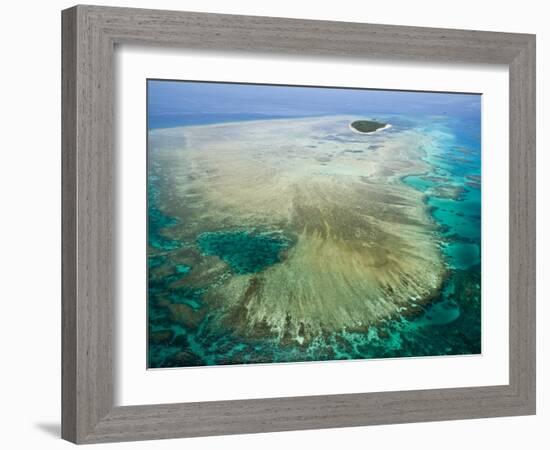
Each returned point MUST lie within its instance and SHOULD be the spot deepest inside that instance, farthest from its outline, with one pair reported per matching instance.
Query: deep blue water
(451, 324)
(176, 103)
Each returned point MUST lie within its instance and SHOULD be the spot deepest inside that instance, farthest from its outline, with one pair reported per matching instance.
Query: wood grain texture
(68, 225)
(89, 36)
(522, 187)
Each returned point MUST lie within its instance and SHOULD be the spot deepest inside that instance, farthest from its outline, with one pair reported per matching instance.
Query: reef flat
(292, 229)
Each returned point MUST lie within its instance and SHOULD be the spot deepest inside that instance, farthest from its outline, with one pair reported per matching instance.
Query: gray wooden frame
(89, 36)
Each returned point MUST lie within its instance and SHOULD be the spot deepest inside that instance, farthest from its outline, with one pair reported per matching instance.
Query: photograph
(265, 225)
(294, 224)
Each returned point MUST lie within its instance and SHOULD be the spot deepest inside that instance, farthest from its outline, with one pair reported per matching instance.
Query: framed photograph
(278, 224)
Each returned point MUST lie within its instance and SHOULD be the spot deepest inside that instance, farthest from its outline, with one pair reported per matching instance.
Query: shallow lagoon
(244, 251)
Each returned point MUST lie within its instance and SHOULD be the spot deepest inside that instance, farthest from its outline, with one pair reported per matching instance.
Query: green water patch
(441, 313)
(163, 281)
(462, 255)
(418, 182)
(189, 296)
(457, 216)
(244, 251)
(155, 261)
(182, 269)
(157, 221)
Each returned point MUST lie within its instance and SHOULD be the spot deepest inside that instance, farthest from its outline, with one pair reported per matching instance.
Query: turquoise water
(158, 221)
(187, 296)
(449, 325)
(244, 251)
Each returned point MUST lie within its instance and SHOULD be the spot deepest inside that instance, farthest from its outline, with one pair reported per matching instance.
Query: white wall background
(30, 223)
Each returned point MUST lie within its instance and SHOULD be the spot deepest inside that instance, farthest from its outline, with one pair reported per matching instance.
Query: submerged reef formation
(274, 242)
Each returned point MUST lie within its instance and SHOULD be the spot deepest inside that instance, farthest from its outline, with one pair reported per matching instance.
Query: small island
(367, 126)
